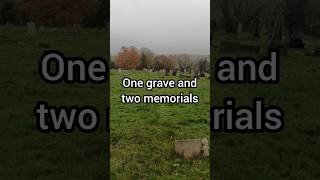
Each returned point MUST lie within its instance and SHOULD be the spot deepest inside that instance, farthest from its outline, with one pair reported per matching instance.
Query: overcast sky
(164, 26)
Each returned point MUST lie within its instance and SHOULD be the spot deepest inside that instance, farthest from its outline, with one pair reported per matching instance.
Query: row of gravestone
(174, 72)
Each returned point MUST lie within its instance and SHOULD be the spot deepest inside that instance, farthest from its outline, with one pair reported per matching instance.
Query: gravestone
(192, 148)
(167, 72)
(174, 72)
(31, 28)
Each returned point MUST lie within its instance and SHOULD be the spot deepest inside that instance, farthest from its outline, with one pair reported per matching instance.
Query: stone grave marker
(192, 148)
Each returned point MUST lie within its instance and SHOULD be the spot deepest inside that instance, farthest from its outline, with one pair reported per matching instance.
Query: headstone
(119, 70)
(174, 72)
(167, 72)
(192, 148)
(31, 28)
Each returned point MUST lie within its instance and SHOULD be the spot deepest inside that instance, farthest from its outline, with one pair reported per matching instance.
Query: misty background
(165, 26)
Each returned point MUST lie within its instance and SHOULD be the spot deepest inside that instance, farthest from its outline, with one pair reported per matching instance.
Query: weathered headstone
(192, 148)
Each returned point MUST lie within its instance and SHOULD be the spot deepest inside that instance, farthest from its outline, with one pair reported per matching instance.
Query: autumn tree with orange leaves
(128, 58)
(59, 12)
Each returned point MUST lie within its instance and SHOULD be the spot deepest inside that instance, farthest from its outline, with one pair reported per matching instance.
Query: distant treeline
(55, 13)
(130, 58)
(300, 15)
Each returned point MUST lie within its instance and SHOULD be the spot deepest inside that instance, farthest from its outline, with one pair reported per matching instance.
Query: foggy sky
(164, 26)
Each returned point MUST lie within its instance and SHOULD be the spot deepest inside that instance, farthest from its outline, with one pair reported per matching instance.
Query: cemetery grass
(25, 153)
(142, 135)
(292, 153)
(143, 147)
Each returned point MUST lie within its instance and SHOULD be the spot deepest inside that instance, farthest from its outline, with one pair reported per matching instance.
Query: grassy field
(143, 134)
(292, 154)
(25, 153)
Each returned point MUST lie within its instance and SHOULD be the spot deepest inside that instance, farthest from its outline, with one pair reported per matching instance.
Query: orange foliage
(128, 58)
(58, 12)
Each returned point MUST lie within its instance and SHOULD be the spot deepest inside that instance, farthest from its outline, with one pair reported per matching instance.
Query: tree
(184, 61)
(158, 63)
(128, 58)
(8, 13)
(296, 21)
(203, 66)
(99, 18)
(148, 61)
(59, 12)
(164, 62)
(171, 62)
(143, 62)
(237, 11)
(113, 65)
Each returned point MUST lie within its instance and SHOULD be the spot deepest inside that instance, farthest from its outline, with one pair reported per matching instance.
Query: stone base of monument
(192, 148)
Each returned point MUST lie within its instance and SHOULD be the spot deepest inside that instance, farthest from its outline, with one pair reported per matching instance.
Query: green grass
(141, 143)
(290, 154)
(25, 153)
(143, 134)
